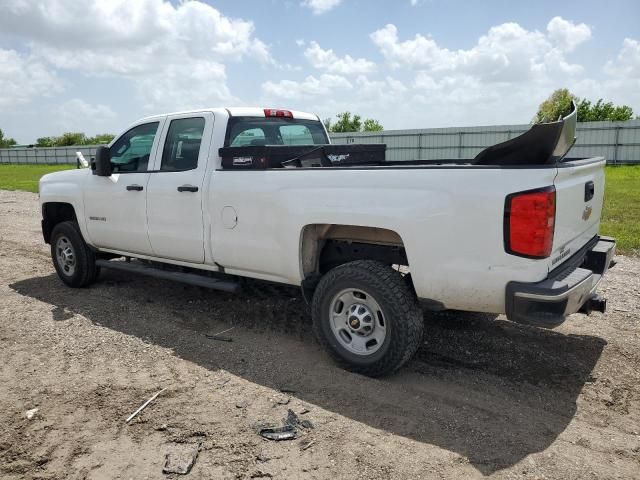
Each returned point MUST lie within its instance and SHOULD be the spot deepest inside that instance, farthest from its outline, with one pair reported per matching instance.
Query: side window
(182, 146)
(130, 153)
(251, 136)
(296, 135)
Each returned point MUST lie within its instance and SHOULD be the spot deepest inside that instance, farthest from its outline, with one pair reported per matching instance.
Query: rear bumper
(568, 289)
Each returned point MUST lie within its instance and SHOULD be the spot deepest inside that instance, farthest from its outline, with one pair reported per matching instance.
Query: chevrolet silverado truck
(211, 196)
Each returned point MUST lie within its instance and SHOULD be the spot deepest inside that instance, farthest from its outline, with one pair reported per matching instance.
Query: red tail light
(529, 221)
(272, 112)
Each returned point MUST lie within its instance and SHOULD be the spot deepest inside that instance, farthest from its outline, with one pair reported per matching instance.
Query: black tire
(85, 271)
(402, 316)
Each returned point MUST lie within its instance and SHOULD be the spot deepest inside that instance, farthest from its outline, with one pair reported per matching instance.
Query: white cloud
(309, 87)
(204, 84)
(320, 6)
(24, 78)
(627, 63)
(567, 35)
(78, 115)
(507, 52)
(170, 52)
(327, 60)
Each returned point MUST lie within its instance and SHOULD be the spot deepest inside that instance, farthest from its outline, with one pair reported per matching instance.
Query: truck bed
(543, 144)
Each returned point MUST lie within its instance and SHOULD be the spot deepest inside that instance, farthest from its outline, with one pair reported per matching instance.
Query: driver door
(116, 206)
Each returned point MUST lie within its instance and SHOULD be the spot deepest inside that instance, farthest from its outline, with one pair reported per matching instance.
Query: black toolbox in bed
(260, 157)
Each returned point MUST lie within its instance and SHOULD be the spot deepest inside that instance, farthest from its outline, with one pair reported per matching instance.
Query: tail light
(529, 221)
(272, 112)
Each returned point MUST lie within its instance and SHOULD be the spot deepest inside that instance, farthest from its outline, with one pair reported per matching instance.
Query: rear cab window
(256, 131)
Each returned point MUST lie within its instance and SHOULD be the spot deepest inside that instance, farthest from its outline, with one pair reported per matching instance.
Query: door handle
(187, 188)
(589, 190)
(136, 188)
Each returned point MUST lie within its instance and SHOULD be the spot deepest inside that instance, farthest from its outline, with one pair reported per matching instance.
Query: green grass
(620, 219)
(26, 177)
(621, 215)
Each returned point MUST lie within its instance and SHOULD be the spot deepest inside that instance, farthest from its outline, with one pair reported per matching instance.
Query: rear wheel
(73, 260)
(367, 317)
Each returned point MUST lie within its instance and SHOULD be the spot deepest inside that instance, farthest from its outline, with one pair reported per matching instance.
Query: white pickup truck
(210, 196)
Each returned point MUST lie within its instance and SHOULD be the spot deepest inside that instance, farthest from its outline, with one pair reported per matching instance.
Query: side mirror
(102, 164)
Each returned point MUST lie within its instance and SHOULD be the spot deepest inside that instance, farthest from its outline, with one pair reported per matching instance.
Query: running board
(190, 278)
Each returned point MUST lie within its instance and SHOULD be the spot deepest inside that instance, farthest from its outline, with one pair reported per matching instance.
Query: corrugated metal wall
(52, 155)
(618, 142)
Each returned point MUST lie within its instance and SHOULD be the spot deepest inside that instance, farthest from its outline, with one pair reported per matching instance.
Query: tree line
(559, 104)
(68, 139)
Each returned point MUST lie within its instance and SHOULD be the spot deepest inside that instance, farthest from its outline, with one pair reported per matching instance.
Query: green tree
(602, 111)
(556, 106)
(559, 104)
(99, 139)
(6, 142)
(74, 138)
(370, 125)
(347, 123)
(46, 142)
(69, 139)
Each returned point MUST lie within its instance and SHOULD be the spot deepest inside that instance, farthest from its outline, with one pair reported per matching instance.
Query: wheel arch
(54, 213)
(324, 246)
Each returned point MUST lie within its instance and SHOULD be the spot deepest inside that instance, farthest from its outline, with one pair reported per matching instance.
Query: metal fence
(618, 142)
(49, 155)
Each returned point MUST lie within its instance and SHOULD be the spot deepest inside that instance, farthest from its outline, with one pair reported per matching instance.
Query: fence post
(616, 144)
(460, 145)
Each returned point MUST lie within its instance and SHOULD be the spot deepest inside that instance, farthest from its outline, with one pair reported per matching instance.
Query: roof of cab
(241, 112)
(259, 112)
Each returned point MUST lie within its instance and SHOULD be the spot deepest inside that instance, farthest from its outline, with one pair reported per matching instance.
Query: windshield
(250, 131)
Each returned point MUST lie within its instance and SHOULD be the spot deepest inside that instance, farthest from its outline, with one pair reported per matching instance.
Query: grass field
(621, 217)
(26, 177)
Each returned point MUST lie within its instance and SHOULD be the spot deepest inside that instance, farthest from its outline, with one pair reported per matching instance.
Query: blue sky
(95, 65)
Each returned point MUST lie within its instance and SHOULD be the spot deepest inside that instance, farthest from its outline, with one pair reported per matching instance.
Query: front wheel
(367, 317)
(72, 258)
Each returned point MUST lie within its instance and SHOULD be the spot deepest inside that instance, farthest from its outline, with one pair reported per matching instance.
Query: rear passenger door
(176, 188)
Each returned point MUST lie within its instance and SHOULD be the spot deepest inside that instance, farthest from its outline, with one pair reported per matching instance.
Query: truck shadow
(489, 390)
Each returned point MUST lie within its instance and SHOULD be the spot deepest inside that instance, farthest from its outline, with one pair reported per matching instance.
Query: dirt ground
(484, 397)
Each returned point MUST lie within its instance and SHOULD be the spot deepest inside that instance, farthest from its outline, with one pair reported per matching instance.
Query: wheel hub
(66, 257)
(360, 319)
(357, 321)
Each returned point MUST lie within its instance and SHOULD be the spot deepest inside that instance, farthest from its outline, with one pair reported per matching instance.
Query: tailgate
(579, 196)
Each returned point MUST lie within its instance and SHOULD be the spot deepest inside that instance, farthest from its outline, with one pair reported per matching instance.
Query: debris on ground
(308, 424)
(181, 462)
(289, 431)
(279, 433)
(293, 420)
(144, 405)
(218, 336)
(304, 446)
(31, 413)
